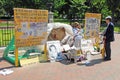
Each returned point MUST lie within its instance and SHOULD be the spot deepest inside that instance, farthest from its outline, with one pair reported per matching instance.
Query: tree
(6, 6)
(65, 8)
(78, 8)
(61, 7)
(69, 8)
(1, 8)
(114, 6)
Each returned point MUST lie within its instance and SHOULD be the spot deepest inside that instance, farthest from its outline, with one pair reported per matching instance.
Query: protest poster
(92, 25)
(53, 48)
(30, 27)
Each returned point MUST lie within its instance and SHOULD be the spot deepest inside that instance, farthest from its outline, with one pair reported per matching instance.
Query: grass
(102, 28)
(6, 37)
(116, 29)
(62, 21)
(7, 33)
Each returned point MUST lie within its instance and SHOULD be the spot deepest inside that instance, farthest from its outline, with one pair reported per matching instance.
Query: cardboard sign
(87, 45)
(92, 25)
(30, 27)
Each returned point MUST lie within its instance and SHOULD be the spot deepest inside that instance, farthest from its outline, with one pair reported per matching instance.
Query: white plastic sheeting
(68, 28)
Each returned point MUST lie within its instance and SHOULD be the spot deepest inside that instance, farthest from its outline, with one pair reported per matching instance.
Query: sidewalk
(98, 70)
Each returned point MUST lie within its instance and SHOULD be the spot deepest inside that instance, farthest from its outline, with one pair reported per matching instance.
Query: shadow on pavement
(67, 62)
(9, 67)
(92, 62)
(1, 59)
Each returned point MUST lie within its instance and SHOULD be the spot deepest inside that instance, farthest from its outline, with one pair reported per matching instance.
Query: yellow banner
(92, 25)
(30, 27)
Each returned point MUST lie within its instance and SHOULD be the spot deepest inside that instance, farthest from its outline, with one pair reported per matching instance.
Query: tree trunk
(113, 17)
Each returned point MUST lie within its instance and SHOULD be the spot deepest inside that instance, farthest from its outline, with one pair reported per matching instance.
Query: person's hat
(108, 17)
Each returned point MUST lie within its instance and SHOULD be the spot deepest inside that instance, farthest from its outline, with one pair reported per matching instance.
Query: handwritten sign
(92, 25)
(30, 27)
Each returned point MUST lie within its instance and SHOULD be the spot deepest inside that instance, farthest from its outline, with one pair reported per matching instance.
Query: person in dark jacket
(108, 37)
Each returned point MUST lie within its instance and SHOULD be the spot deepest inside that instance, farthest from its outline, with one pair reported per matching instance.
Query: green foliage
(6, 6)
(65, 8)
(57, 7)
(114, 7)
(78, 8)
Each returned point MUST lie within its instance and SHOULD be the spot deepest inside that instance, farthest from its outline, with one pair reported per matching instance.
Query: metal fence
(7, 28)
(6, 31)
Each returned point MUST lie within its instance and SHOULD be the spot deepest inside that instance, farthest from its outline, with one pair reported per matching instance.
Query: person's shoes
(78, 60)
(107, 59)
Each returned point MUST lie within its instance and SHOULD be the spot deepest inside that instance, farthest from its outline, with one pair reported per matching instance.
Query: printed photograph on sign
(53, 48)
(38, 28)
(24, 30)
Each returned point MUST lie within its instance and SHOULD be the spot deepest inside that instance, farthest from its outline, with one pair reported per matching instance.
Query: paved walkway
(98, 70)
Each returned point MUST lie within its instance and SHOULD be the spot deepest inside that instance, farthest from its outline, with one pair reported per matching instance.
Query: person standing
(108, 37)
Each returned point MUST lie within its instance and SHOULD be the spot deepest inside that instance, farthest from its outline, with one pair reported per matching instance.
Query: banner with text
(30, 27)
(92, 25)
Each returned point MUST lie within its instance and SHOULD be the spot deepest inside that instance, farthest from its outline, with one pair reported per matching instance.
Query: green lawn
(7, 33)
(62, 21)
(6, 37)
(116, 29)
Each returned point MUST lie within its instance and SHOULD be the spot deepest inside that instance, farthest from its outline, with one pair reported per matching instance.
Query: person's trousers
(108, 50)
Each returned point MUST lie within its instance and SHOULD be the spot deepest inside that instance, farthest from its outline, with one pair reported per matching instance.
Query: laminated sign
(30, 27)
(92, 25)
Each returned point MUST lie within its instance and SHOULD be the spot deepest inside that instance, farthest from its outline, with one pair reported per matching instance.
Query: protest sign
(53, 48)
(92, 25)
(30, 27)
